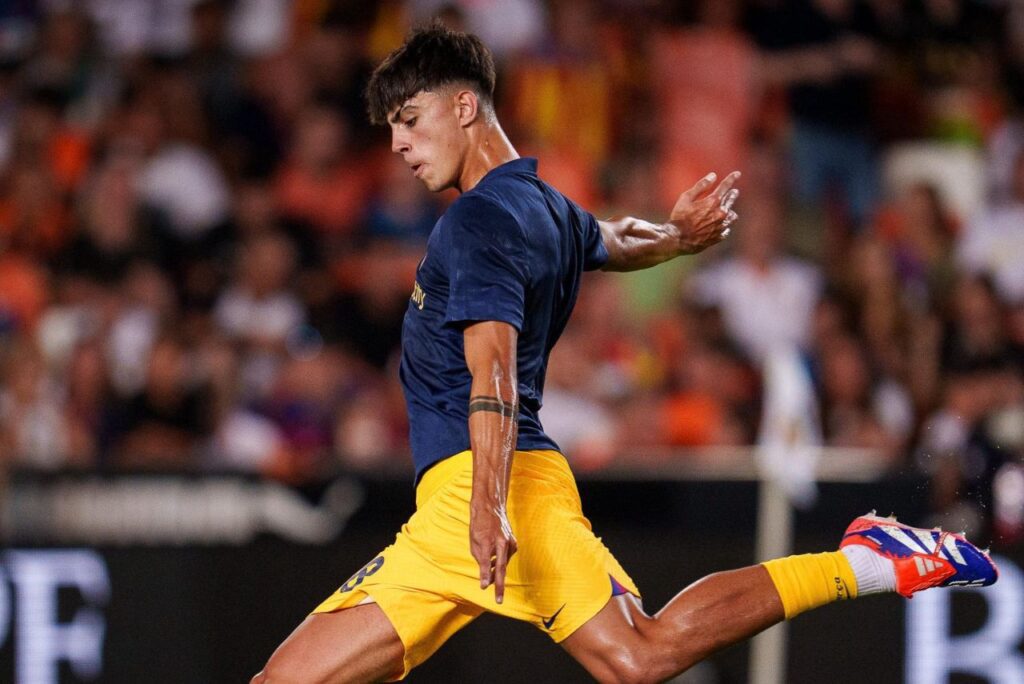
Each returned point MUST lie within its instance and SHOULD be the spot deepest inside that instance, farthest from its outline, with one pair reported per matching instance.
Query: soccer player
(498, 525)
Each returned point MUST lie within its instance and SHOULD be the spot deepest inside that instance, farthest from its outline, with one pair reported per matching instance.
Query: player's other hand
(702, 216)
(492, 544)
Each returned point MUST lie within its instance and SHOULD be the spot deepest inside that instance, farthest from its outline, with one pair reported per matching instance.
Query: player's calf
(623, 644)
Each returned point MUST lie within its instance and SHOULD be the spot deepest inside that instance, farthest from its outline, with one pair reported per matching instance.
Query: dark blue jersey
(512, 249)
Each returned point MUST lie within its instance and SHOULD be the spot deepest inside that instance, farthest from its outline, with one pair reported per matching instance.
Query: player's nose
(398, 144)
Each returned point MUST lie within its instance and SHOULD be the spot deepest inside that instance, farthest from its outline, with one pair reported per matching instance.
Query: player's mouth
(416, 168)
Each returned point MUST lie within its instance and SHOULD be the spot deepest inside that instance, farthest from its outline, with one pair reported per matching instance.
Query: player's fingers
(701, 187)
(486, 571)
(726, 185)
(730, 199)
(500, 564)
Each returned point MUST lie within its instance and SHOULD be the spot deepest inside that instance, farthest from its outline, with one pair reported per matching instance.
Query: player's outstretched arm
(698, 220)
(493, 426)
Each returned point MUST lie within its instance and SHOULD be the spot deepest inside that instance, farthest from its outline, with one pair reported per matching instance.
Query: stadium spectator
(163, 425)
(365, 317)
(180, 176)
(578, 422)
(258, 311)
(570, 72)
(824, 54)
(334, 53)
(705, 115)
(34, 430)
(33, 214)
(993, 242)
(920, 233)
(976, 335)
(322, 183)
(68, 64)
(873, 288)
(134, 315)
(766, 298)
(857, 410)
(699, 410)
(962, 442)
(1005, 145)
(24, 292)
(954, 65)
(510, 26)
(401, 208)
(87, 404)
(370, 429)
(113, 227)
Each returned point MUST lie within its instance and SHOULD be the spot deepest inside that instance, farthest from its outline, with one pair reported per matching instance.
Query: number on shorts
(364, 572)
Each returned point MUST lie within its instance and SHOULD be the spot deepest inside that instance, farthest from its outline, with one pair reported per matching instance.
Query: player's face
(426, 131)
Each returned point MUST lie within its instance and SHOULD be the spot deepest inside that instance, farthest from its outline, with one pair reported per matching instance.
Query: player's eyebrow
(398, 114)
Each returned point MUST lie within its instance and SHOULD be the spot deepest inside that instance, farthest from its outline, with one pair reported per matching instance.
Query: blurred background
(206, 253)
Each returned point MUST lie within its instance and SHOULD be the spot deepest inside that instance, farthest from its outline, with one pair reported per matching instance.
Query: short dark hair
(431, 57)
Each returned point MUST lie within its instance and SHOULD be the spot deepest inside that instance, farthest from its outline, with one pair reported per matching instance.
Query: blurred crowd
(206, 251)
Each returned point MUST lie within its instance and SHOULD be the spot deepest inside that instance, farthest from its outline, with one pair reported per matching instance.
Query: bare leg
(352, 645)
(622, 644)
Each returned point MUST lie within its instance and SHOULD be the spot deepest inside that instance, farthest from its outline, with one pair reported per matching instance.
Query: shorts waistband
(444, 470)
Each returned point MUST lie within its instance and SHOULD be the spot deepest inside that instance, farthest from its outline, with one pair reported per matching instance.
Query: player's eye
(409, 123)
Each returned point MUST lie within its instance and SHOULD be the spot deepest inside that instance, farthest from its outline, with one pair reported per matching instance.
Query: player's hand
(492, 544)
(703, 218)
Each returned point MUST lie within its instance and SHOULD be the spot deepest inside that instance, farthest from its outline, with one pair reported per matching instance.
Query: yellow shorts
(428, 584)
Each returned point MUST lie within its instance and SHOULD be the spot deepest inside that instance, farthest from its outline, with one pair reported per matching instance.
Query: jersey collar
(527, 165)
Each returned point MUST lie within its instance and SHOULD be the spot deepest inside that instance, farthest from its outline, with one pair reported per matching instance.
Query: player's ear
(467, 107)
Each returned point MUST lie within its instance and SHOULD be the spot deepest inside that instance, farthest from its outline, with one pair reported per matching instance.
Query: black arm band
(493, 405)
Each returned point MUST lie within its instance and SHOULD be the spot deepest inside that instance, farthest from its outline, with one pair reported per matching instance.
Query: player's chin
(435, 186)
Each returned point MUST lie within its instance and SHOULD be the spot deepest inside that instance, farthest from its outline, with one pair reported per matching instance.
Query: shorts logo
(551, 620)
(367, 570)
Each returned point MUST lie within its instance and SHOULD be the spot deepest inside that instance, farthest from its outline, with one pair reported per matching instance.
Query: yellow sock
(812, 580)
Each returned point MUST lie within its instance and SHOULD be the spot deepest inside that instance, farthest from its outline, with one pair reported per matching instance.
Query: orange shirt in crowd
(691, 419)
(49, 226)
(23, 290)
(706, 112)
(69, 158)
(333, 202)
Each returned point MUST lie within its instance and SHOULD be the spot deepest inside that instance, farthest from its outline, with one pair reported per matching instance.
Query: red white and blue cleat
(922, 558)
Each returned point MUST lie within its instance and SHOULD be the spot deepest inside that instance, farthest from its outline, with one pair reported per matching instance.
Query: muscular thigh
(352, 645)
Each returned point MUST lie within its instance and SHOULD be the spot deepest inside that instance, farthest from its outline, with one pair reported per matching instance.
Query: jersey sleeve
(595, 254)
(487, 264)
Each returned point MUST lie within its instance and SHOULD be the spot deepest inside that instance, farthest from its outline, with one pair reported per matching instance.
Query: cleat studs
(987, 552)
(873, 512)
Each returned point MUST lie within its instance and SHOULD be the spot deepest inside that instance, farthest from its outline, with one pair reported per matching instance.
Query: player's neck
(490, 149)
